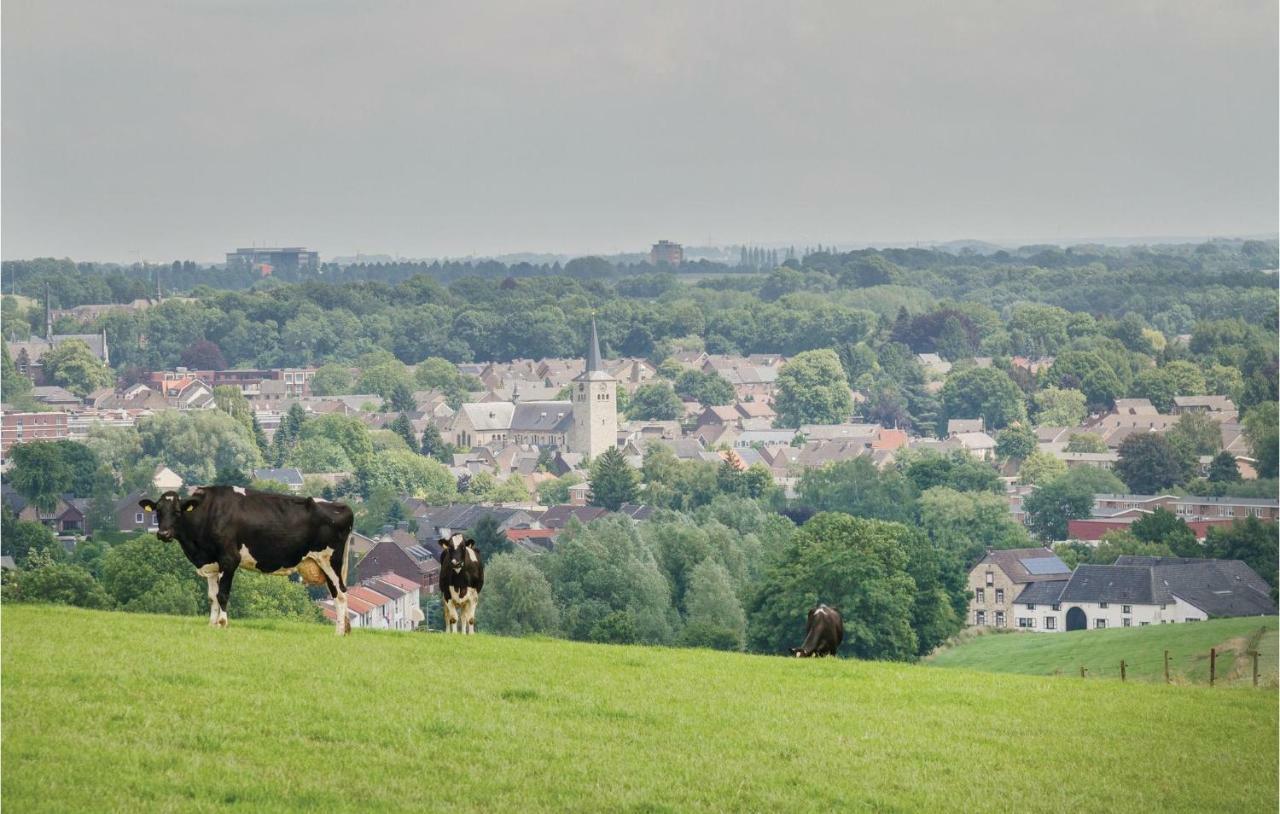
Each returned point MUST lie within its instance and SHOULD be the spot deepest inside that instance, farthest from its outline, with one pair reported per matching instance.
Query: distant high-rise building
(664, 251)
(271, 260)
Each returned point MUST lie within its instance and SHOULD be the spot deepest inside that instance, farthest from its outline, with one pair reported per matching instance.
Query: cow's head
(169, 509)
(453, 552)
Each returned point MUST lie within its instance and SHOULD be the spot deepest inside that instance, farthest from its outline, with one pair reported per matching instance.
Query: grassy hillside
(117, 712)
(1142, 648)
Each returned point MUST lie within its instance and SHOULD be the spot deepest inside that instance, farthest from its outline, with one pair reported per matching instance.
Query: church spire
(593, 350)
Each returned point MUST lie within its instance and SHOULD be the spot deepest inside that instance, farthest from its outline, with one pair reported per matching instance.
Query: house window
(979, 595)
(980, 618)
(1099, 624)
(1102, 605)
(1055, 606)
(1127, 622)
(1026, 621)
(137, 518)
(1050, 623)
(1031, 606)
(1143, 624)
(999, 596)
(999, 618)
(1126, 608)
(991, 578)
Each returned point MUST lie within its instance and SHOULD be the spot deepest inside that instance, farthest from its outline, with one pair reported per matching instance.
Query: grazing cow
(461, 578)
(824, 634)
(222, 528)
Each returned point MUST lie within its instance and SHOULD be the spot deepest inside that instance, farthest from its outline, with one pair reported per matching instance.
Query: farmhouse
(1138, 591)
(1002, 575)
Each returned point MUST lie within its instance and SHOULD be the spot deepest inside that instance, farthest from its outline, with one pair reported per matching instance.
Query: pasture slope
(119, 712)
(1142, 648)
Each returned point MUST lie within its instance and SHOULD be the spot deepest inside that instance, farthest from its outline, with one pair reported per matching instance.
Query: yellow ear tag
(191, 508)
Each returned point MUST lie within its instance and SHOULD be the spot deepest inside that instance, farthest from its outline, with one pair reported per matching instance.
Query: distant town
(523, 446)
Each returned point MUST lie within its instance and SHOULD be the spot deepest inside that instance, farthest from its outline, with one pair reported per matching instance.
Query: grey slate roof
(288, 475)
(1217, 587)
(1128, 584)
(1041, 593)
(462, 517)
(542, 416)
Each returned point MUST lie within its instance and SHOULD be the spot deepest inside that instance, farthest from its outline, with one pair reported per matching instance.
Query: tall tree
(72, 365)
(40, 473)
(490, 540)
(433, 445)
(857, 566)
(1065, 498)
(1016, 442)
(812, 389)
(986, 393)
(203, 355)
(613, 481)
(402, 400)
(655, 401)
(1263, 433)
(858, 488)
(402, 427)
(1223, 469)
(1149, 463)
(518, 598)
(12, 383)
(715, 618)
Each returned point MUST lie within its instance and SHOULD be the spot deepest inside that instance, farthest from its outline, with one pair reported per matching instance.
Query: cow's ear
(147, 505)
(190, 505)
(471, 543)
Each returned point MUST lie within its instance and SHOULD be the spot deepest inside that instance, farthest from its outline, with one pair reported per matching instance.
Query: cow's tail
(346, 558)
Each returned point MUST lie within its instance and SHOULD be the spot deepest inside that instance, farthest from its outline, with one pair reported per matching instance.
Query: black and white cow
(824, 634)
(461, 578)
(222, 528)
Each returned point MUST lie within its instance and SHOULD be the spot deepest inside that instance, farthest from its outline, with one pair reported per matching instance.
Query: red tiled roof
(392, 578)
(369, 596)
(522, 534)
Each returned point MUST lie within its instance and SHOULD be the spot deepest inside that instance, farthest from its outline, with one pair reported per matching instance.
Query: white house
(1139, 591)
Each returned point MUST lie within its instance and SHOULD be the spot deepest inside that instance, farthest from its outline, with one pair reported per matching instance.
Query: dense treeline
(489, 311)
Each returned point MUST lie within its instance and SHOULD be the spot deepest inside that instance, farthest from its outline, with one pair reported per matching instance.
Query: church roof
(542, 416)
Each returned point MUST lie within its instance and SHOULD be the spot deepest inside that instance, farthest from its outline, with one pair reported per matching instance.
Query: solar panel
(1045, 565)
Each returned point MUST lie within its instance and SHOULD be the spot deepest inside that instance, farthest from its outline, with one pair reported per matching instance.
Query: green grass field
(1142, 649)
(119, 712)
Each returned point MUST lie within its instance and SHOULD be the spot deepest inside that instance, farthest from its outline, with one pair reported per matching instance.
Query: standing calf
(824, 634)
(461, 578)
(222, 528)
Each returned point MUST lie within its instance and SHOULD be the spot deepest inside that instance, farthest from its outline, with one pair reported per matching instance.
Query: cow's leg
(224, 593)
(210, 573)
(339, 590)
(450, 616)
(469, 606)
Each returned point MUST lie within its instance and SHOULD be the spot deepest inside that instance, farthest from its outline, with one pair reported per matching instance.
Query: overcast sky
(181, 130)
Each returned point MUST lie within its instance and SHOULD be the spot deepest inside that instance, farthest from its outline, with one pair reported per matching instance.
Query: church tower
(595, 405)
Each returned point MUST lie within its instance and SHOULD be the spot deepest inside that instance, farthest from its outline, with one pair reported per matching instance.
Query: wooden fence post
(1213, 665)
(1122, 669)
(1166, 666)
(1082, 671)
(1254, 653)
